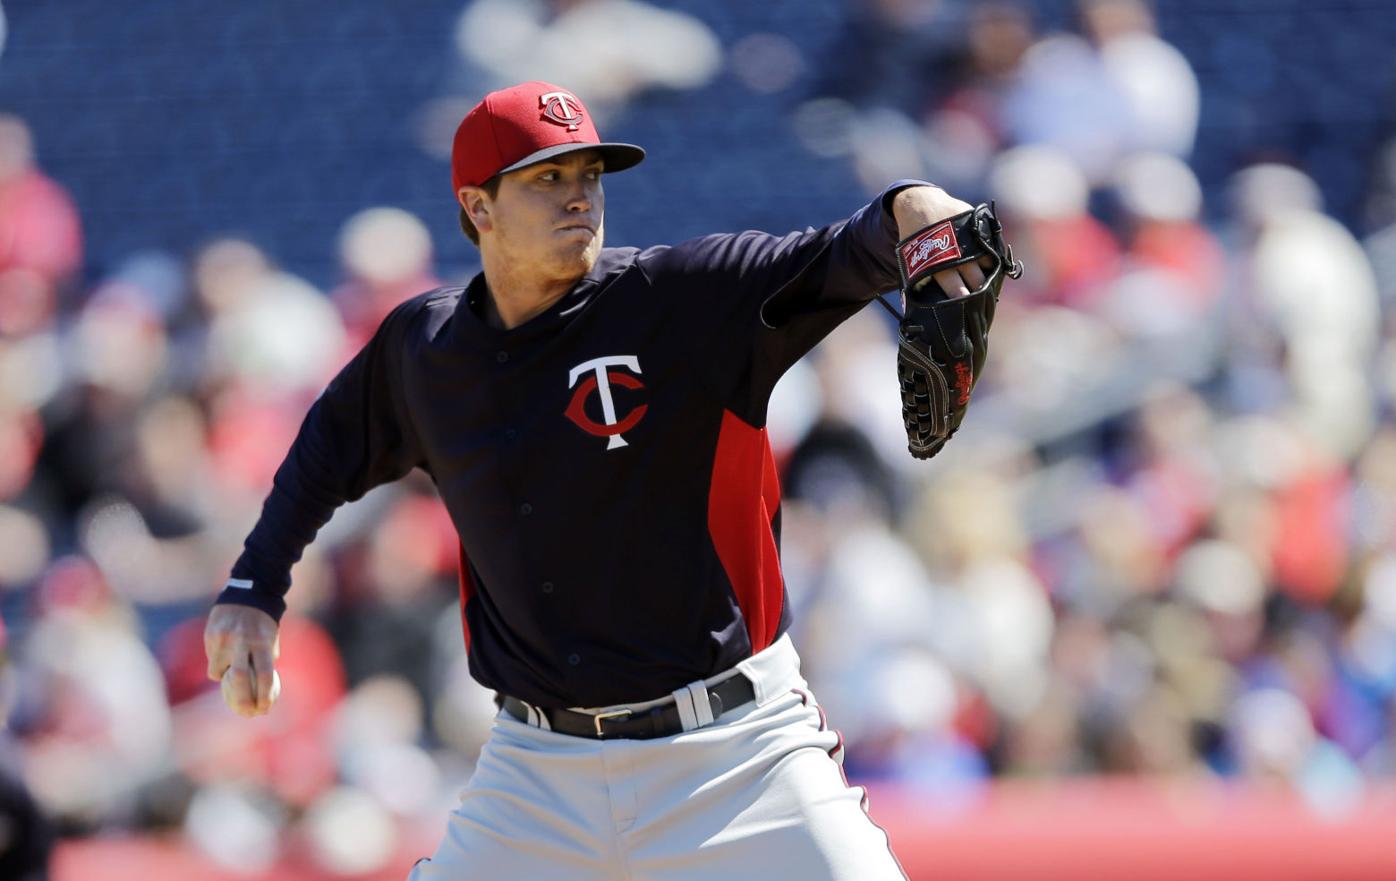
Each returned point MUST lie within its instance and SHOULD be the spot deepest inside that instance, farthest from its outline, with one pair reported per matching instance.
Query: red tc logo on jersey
(599, 379)
(935, 245)
(561, 108)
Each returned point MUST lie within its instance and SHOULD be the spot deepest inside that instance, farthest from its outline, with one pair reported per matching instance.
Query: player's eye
(548, 176)
(594, 174)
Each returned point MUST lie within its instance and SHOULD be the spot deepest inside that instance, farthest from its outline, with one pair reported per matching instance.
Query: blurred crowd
(1164, 542)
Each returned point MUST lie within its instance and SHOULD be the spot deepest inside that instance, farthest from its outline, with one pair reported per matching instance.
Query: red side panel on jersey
(742, 502)
(467, 590)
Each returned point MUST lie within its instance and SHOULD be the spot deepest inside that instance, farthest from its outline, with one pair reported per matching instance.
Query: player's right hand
(242, 644)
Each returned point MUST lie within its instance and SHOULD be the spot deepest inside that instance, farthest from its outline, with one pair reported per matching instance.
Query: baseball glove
(944, 340)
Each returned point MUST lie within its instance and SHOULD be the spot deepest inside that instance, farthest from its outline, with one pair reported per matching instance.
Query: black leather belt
(660, 721)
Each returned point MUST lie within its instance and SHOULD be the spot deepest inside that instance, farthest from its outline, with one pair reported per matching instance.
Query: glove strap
(945, 243)
(962, 238)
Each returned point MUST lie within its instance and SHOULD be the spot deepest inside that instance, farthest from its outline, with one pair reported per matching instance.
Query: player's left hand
(944, 342)
(916, 208)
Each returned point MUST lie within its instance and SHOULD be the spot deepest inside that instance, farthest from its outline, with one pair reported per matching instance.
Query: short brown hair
(491, 187)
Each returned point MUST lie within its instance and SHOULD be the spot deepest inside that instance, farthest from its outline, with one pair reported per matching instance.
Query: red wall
(1060, 831)
(1141, 831)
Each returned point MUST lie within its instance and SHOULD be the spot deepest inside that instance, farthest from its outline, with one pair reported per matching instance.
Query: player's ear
(476, 204)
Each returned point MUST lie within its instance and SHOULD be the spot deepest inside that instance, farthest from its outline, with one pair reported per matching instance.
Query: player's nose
(578, 199)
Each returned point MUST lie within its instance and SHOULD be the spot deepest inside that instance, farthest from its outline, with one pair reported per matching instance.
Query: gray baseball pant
(759, 793)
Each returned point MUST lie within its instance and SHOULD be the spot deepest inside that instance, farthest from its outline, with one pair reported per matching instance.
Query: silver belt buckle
(598, 718)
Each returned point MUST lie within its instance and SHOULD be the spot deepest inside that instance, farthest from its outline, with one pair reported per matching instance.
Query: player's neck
(513, 298)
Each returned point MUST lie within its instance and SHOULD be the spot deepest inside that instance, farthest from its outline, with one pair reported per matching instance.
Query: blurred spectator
(629, 46)
(386, 253)
(116, 355)
(848, 368)
(1043, 191)
(968, 126)
(270, 333)
(273, 343)
(1065, 99)
(1164, 236)
(393, 587)
(93, 718)
(1122, 89)
(1172, 475)
(1156, 80)
(39, 228)
(26, 836)
(1296, 257)
(1228, 590)
(1358, 712)
(1276, 740)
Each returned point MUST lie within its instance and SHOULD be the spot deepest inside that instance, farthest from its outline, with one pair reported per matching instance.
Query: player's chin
(579, 251)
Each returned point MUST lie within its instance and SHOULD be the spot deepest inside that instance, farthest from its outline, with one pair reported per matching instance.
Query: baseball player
(594, 421)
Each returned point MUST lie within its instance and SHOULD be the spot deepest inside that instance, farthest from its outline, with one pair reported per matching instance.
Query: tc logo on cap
(561, 108)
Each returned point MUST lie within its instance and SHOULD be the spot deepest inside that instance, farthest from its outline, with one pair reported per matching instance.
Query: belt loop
(694, 706)
(683, 701)
(702, 704)
(536, 717)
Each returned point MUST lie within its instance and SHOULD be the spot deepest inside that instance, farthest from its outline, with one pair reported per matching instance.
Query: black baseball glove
(944, 340)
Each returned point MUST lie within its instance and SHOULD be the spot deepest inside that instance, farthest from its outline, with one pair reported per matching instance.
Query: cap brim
(618, 157)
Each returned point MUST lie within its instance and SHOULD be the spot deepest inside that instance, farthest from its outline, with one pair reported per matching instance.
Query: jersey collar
(469, 313)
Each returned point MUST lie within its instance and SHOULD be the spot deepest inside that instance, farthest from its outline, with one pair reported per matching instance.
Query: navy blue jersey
(605, 463)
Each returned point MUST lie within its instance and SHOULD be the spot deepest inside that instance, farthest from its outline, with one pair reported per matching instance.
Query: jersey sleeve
(356, 436)
(756, 303)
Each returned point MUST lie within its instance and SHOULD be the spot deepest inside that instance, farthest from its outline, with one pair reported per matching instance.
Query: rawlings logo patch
(934, 246)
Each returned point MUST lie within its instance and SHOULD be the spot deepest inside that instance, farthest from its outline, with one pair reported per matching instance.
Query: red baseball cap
(524, 124)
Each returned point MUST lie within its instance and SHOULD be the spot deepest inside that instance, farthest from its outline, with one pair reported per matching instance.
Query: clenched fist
(242, 645)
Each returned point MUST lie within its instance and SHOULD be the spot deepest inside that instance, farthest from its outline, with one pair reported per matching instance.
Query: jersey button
(525, 509)
(547, 587)
(502, 357)
(574, 659)
(510, 435)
